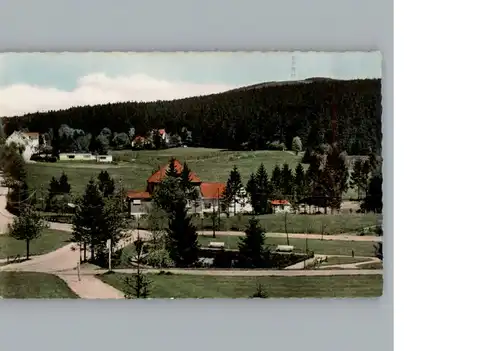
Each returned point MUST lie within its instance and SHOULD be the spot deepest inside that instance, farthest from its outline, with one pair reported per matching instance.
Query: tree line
(251, 118)
(322, 185)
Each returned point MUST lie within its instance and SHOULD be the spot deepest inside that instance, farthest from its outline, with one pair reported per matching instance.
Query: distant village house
(28, 142)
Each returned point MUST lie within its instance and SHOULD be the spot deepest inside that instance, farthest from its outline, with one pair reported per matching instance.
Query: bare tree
(137, 285)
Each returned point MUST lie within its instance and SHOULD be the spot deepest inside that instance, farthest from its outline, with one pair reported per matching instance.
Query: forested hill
(254, 115)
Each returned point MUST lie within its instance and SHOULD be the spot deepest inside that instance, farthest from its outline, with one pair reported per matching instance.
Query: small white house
(281, 206)
(28, 141)
(76, 157)
(211, 199)
(164, 135)
(104, 158)
(85, 157)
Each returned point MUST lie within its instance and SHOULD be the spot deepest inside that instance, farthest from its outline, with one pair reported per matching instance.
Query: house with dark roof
(209, 199)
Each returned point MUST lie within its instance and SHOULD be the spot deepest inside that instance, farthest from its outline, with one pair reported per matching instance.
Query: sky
(31, 82)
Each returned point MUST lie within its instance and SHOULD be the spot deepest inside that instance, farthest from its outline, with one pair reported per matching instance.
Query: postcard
(191, 175)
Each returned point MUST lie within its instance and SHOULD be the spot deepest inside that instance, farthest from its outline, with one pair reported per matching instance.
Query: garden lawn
(342, 260)
(50, 240)
(325, 247)
(30, 285)
(300, 223)
(198, 286)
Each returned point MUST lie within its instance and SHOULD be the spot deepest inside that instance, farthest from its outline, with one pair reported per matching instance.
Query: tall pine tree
(263, 190)
(233, 190)
(252, 250)
(373, 200)
(106, 184)
(287, 182)
(358, 176)
(172, 169)
(276, 182)
(252, 191)
(300, 183)
(88, 220)
(64, 186)
(187, 185)
(182, 237)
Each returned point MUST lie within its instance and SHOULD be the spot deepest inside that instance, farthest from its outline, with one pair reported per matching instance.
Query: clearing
(132, 168)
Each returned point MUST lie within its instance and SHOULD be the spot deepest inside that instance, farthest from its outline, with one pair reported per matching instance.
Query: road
(234, 272)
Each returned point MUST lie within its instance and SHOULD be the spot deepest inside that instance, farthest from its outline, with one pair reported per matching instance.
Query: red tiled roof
(212, 190)
(160, 175)
(133, 194)
(161, 131)
(280, 202)
(137, 138)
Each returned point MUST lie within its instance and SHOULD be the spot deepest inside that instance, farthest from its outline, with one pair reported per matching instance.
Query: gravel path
(234, 272)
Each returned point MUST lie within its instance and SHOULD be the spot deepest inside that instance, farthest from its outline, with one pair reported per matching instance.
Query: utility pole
(213, 221)
(218, 209)
(109, 254)
(78, 268)
(286, 231)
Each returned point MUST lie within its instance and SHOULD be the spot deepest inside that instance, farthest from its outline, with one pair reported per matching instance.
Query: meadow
(132, 168)
(199, 286)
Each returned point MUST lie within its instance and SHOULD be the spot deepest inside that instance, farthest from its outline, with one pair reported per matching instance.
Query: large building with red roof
(210, 195)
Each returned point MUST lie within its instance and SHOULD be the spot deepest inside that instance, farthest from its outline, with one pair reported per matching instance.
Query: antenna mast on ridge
(292, 74)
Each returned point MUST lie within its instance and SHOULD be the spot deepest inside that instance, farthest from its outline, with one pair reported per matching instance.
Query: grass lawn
(326, 247)
(50, 240)
(376, 265)
(30, 285)
(193, 286)
(297, 223)
(134, 167)
(342, 260)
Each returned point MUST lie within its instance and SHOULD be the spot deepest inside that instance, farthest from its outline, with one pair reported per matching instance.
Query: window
(208, 205)
(136, 202)
(71, 157)
(282, 207)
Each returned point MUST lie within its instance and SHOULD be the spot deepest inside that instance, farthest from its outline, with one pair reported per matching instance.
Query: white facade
(104, 158)
(85, 157)
(210, 205)
(282, 207)
(29, 141)
(240, 205)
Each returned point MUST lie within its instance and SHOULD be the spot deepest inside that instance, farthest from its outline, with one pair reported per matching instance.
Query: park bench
(216, 245)
(284, 248)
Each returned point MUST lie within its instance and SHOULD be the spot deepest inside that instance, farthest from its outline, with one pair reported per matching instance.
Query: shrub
(159, 259)
(276, 145)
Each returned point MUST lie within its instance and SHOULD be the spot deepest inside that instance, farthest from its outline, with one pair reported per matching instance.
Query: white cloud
(96, 89)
